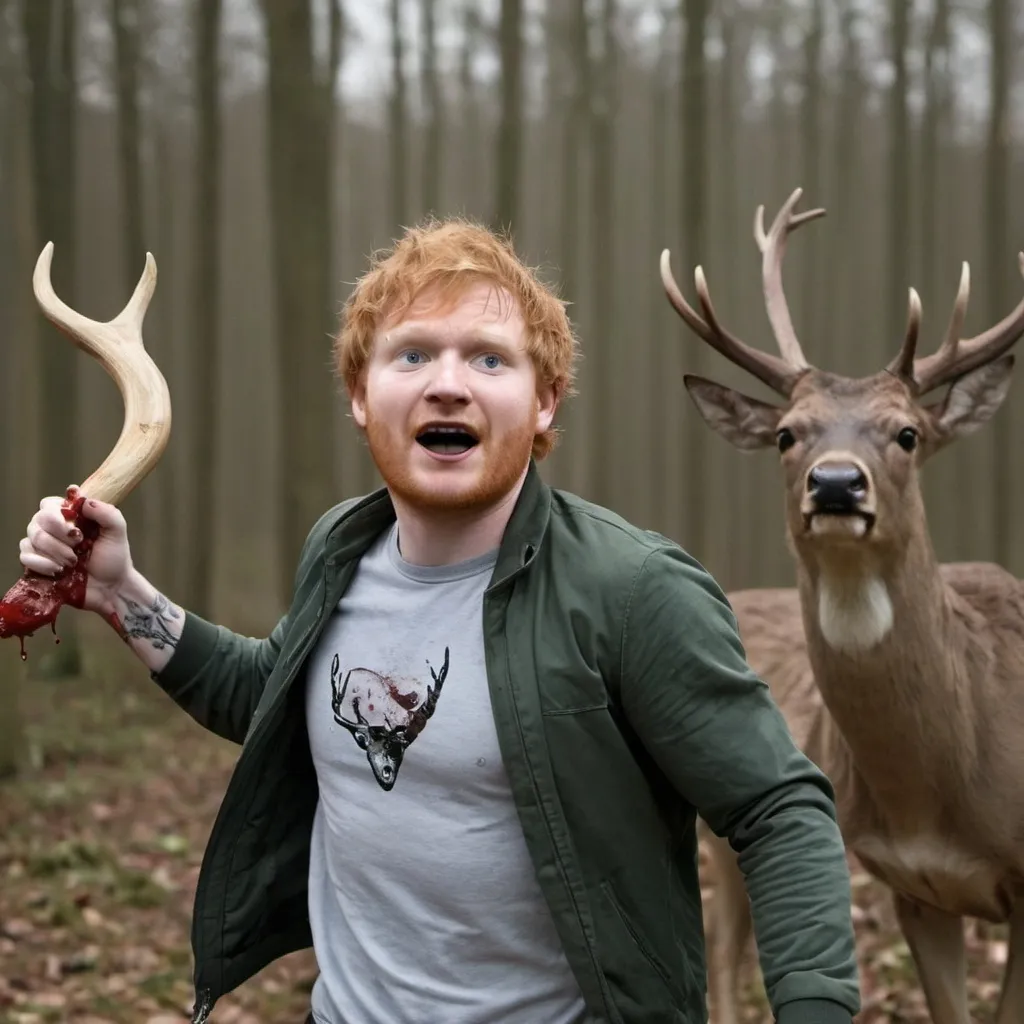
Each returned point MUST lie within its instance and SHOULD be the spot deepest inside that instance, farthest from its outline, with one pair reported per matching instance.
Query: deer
(385, 745)
(900, 676)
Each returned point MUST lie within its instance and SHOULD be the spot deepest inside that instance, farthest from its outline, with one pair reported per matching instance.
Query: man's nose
(448, 382)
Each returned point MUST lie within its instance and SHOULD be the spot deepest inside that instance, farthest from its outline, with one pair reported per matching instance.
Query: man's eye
(411, 357)
(491, 361)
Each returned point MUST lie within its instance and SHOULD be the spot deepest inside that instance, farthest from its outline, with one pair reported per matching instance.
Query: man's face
(450, 401)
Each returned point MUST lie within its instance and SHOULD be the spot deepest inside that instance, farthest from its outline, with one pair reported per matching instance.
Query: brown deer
(919, 665)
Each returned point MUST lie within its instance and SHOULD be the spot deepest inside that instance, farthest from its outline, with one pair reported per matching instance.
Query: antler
(118, 346)
(955, 356)
(34, 600)
(773, 249)
(778, 374)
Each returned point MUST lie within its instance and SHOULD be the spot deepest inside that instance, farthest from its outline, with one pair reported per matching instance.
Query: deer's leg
(936, 941)
(1011, 999)
(730, 932)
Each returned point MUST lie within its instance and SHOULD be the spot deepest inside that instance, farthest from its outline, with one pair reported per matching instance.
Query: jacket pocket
(634, 933)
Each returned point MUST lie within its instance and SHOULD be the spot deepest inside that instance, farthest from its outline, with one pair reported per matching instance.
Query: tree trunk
(510, 129)
(602, 251)
(299, 138)
(899, 184)
(576, 106)
(398, 120)
(15, 314)
(847, 165)
(1000, 258)
(49, 27)
(433, 146)
(934, 117)
(469, 137)
(693, 244)
(659, 316)
(812, 93)
(124, 15)
(205, 341)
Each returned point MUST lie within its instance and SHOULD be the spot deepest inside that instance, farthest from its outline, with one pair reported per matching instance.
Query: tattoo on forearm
(152, 623)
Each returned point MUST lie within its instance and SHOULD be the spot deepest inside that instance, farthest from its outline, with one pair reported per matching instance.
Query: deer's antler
(34, 600)
(955, 356)
(773, 248)
(118, 346)
(773, 371)
(779, 374)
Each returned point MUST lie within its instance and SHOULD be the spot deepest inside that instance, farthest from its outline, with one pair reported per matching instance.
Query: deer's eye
(907, 439)
(785, 439)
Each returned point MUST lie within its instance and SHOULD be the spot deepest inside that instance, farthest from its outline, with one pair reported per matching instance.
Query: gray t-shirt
(423, 901)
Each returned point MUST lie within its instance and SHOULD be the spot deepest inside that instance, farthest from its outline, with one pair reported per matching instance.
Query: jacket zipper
(204, 1004)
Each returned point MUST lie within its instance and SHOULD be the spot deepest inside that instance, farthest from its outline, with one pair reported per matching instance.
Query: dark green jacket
(623, 704)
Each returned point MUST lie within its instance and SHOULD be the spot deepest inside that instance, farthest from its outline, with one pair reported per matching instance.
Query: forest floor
(100, 845)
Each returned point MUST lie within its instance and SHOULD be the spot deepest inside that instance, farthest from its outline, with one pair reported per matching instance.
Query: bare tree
(694, 133)
(898, 216)
(935, 118)
(470, 178)
(602, 249)
(13, 133)
(997, 251)
(510, 128)
(398, 119)
(300, 141)
(433, 146)
(49, 29)
(198, 566)
(811, 157)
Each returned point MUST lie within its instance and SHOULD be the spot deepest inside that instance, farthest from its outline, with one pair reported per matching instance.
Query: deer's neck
(887, 652)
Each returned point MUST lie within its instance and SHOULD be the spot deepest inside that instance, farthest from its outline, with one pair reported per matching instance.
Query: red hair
(449, 256)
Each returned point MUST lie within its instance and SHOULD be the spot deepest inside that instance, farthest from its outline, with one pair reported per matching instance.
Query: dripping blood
(36, 600)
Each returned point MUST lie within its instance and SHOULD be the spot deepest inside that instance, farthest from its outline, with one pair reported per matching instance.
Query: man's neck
(443, 537)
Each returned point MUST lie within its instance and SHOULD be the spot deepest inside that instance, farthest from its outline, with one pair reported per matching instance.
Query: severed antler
(779, 374)
(35, 600)
(955, 356)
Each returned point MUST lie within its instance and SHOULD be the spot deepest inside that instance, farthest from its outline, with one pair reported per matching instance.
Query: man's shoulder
(315, 546)
(605, 543)
(593, 522)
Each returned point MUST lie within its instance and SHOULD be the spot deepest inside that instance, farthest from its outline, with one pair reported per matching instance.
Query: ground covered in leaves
(100, 846)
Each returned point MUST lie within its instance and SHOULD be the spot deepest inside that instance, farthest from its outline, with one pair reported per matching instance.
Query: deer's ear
(743, 421)
(974, 399)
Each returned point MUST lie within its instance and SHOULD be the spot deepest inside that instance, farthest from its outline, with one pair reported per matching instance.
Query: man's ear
(548, 398)
(745, 422)
(972, 400)
(357, 398)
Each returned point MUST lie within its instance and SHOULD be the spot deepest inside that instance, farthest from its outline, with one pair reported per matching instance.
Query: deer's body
(902, 678)
(928, 786)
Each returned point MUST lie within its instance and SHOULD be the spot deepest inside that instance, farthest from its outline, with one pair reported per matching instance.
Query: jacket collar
(358, 526)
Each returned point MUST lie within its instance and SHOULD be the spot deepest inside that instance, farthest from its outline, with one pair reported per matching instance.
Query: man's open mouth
(447, 440)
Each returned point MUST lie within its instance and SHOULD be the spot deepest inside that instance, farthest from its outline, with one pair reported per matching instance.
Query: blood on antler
(35, 600)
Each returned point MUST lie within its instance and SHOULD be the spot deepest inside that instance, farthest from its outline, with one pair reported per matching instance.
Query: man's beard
(504, 461)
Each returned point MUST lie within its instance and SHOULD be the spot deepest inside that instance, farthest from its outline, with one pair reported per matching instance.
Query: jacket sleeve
(218, 676)
(716, 732)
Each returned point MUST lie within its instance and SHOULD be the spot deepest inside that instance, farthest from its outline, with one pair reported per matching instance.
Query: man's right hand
(48, 547)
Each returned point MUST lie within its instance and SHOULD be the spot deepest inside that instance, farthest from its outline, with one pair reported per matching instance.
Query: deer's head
(850, 448)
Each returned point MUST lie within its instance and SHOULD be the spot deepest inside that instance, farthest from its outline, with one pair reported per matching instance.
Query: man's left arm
(714, 729)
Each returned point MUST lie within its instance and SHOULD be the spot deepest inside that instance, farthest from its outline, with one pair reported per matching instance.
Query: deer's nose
(837, 487)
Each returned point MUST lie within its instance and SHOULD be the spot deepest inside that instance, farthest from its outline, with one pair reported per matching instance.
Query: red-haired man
(474, 747)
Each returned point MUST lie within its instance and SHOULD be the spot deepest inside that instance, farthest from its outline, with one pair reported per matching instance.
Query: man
(474, 747)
